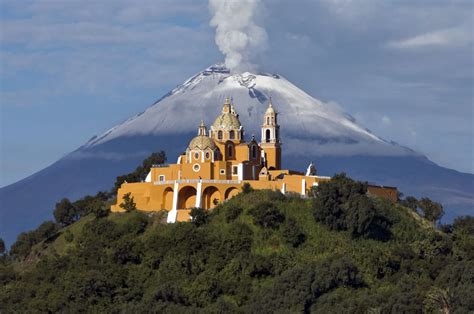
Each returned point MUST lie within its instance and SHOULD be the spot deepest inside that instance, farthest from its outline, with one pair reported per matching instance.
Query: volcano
(311, 131)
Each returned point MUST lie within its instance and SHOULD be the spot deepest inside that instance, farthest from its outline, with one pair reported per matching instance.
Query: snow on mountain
(302, 117)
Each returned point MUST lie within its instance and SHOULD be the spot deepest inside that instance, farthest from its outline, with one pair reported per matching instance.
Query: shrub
(68, 236)
(233, 212)
(247, 188)
(199, 216)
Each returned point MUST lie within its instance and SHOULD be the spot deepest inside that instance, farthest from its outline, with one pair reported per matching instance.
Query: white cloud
(386, 120)
(445, 37)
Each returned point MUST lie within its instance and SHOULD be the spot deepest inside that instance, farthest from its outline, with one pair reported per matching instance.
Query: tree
(128, 203)
(199, 216)
(464, 224)
(23, 244)
(330, 206)
(360, 215)
(141, 171)
(46, 230)
(65, 213)
(432, 211)
(2, 246)
(410, 202)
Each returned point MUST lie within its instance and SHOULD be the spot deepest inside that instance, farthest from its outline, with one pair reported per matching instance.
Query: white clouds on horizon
(386, 120)
(450, 37)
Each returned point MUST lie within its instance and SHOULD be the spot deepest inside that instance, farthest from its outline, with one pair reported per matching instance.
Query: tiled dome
(202, 142)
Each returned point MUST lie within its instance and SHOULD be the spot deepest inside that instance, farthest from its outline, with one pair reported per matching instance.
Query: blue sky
(72, 69)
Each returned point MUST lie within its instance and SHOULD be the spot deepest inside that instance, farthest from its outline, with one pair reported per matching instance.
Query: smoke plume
(238, 36)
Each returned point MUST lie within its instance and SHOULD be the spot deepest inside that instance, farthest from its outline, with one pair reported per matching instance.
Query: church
(216, 165)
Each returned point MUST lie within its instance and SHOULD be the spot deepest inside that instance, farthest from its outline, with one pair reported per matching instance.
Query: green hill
(261, 251)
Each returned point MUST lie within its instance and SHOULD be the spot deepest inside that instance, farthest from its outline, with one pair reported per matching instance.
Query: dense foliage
(261, 251)
(342, 204)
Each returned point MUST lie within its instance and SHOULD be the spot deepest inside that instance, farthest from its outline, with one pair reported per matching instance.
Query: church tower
(271, 139)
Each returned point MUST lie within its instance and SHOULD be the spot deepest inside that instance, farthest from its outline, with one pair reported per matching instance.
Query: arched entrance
(210, 197)
(167, 199)
(231, 192)
(187, 197)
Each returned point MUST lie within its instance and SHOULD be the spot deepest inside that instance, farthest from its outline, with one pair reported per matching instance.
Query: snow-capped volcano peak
(306, 123)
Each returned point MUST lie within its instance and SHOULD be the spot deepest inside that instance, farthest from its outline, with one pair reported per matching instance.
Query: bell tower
(270, 142)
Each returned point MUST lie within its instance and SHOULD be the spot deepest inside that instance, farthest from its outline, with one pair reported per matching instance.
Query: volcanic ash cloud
(238, 36)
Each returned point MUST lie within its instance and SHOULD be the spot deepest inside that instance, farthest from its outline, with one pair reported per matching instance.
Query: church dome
(202, 142)
(227, 120)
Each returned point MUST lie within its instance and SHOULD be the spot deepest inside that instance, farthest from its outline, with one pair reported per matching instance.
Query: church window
(229, 150)
(219, 135)
(267, 136)
(196, 167)
(161, 178)
(268, 120)
(196, 155)
(254, 152)
(235, 170)
(222, 171)
(208, 155)
(232, 135)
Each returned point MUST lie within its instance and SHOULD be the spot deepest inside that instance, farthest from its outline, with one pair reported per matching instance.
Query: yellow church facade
(216, 165)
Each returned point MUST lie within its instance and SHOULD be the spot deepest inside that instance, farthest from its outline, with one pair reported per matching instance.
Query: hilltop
(261, 251)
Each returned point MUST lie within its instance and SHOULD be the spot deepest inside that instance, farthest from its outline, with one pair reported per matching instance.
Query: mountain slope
(301, 116)
(310, 129)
